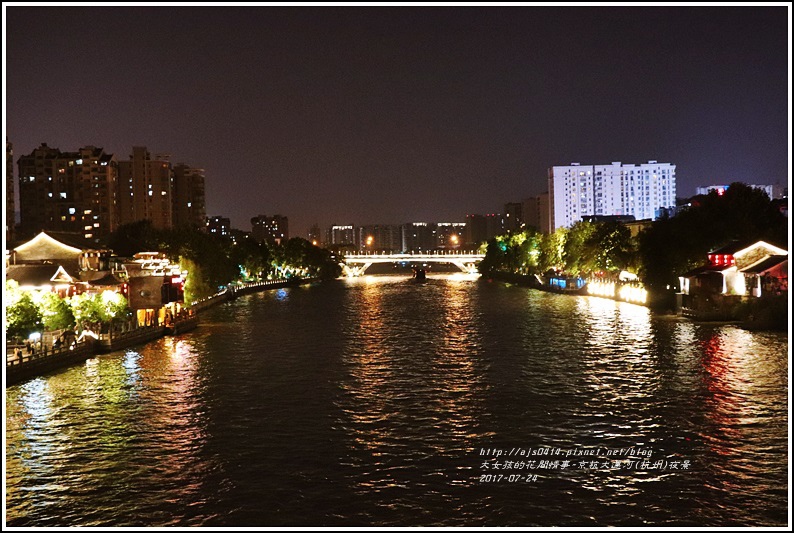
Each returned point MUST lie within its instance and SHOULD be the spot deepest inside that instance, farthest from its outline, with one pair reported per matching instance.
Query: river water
(381, 402)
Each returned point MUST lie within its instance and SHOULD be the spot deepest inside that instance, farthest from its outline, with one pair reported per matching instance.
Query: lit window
(150, 193)
(189, 204)
(71, 210)
(79, 161)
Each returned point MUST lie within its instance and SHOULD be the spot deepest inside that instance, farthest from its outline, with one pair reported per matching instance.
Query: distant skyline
(392, 114)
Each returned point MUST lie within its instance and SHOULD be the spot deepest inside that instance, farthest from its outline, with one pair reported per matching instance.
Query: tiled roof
(766, 264)
(35, 275)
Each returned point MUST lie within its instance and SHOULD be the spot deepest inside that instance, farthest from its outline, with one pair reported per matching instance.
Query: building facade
(418, 237)
(536, 213)
(189, 208)
(340, 235)
(219, 226)
(480, 228)
(315, 235)
(274, 230)
(379, 238)
(514, 217)
(450, 235)
(145, 186)
(641, 191)
(73, 192)
(10, 201)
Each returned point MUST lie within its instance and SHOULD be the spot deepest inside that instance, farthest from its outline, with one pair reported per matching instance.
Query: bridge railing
(418, 255)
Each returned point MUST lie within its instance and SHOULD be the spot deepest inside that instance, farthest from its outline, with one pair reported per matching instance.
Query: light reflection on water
(368, 402)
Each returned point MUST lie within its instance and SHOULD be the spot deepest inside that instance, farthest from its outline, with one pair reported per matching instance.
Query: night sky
(398, 114)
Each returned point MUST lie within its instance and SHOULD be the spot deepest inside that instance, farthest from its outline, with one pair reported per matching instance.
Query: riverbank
(22, 364)
(758, 314)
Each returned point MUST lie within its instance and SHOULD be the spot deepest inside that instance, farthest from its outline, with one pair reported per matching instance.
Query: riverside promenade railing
(24, 361)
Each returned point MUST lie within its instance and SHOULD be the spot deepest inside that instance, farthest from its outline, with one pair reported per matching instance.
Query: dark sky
(396, 114)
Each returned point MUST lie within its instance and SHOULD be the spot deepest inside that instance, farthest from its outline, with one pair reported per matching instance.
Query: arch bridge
(356, 264)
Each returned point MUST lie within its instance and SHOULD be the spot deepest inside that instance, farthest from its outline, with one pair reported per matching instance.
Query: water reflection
(366, 403)
(413, 402)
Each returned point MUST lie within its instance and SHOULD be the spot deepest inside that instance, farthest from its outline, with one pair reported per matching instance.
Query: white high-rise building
(641, 191)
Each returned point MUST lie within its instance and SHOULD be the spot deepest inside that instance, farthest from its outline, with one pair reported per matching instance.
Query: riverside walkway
(25, 361)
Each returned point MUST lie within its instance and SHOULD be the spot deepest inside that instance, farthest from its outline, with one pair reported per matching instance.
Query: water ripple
(379, 402)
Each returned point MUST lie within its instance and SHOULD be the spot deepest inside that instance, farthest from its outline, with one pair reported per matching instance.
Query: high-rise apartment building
(219, 226)
(10, 203)
(340, 235)
(450, 235)
(514, 217)
(68, 191)
(536, 212)
(379, 238)
(315, 235)
(418, 237)
(481, 228)
(274, 230)
(641, 191)
(189, 209)
(145, 188)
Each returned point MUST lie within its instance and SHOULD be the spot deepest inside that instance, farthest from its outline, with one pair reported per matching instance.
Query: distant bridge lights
(356, 264)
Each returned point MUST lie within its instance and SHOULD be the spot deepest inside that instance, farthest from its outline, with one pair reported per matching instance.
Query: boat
(420, 274)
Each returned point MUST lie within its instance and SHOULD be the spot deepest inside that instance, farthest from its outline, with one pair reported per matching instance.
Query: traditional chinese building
(65, 263)
(734, 272)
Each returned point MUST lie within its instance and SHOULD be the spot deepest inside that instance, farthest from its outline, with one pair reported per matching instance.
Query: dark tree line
(216, 261)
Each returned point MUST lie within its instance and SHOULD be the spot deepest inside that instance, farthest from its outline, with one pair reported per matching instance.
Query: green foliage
(12, 292)
(584, 248)
(56, 312)
(196, 286)
(116, 307)
(23, 317)
(96, 311)
(672, 246)
(612, 246)
(551, 250)
(88, 310)
(579, 254)
(214, 261)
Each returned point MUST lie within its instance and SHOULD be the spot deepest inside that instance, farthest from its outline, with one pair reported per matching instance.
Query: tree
(673, 246)
(552, 246)
(196, 286)
(140, 236)
(579, 253)
(56, 312)
(611, 246)
(88, 311)
(23, 318)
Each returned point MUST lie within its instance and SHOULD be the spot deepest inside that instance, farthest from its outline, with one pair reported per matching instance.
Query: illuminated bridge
(357, 264)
